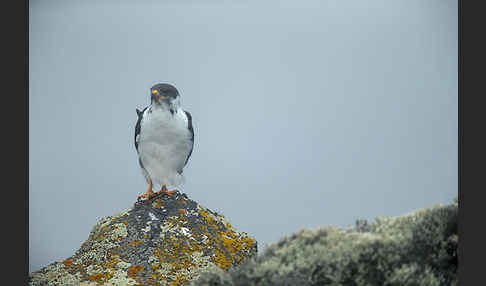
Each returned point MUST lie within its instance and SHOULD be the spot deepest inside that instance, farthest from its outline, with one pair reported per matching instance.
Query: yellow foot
(148, 194)
(165, 191)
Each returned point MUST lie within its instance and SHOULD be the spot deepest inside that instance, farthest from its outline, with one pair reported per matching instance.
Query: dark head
(163, 93)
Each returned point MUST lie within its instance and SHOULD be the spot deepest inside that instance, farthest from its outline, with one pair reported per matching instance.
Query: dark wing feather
(138, 125)
(191, 130)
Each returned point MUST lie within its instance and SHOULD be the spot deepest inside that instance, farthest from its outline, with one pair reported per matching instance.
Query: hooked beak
(157, 95)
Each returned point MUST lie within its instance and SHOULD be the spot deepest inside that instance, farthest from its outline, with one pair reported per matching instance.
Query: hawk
(164, 139)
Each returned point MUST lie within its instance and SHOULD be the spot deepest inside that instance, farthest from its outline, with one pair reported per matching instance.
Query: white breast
(164, 144)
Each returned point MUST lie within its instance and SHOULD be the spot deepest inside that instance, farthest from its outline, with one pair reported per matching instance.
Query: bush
(415, 249)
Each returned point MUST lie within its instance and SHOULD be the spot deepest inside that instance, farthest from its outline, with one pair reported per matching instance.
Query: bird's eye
(154, 91)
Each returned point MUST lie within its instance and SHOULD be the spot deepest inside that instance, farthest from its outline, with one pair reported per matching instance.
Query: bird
(164, 139)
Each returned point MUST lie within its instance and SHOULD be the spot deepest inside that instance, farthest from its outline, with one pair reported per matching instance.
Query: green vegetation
(414, 249)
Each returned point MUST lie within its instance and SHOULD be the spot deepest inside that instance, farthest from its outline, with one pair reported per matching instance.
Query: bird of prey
(164, 139)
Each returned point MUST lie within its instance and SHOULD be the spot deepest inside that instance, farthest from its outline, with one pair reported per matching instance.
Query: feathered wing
(191, 130)
(138, 126)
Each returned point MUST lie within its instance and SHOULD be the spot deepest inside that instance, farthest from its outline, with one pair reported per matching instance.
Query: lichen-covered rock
(419, 248)
(167, 240)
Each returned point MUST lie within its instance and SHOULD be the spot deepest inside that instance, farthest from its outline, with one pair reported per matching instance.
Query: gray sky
(306, 113)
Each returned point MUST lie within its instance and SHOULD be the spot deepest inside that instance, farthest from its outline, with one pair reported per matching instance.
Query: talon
(164, 190)
(148, 194)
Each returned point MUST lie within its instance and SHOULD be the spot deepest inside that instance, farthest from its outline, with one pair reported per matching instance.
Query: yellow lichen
(182, 213)
(206, 216)
(182, 254)
(158, 204)
(174, 264)
(136, 242)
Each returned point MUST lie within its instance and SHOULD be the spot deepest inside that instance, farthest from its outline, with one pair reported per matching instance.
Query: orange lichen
(134, 270)
(96, 277)
(182, 252)
(68, 262)
(234, 246)
(229, 247)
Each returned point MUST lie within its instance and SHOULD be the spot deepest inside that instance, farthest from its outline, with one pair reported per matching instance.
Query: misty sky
(306, 113)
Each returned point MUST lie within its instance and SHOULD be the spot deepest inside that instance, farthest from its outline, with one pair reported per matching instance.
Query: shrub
(415, 249)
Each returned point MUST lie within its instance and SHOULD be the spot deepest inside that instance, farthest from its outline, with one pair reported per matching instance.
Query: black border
(471, 143)
(460, 195)
(15, 92)
(26, 124)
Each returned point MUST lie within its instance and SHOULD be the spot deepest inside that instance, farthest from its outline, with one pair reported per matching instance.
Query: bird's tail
(172, 182)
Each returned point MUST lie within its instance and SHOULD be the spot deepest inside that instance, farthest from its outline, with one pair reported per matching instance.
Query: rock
(167, 240)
